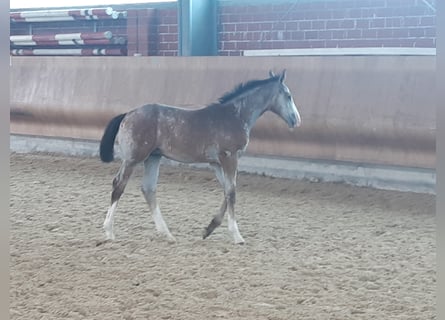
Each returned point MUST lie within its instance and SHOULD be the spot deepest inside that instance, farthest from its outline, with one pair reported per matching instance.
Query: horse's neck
(251, 108)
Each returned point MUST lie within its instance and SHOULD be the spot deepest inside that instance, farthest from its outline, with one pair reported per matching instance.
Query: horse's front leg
(231, 221)
(216, 221)
(230, 167)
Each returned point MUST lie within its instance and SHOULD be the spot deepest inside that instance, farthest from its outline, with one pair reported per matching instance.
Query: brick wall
(326, 24)
(281, 24)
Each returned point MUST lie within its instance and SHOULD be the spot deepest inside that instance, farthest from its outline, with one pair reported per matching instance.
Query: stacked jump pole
(66, 15)
(76, 44)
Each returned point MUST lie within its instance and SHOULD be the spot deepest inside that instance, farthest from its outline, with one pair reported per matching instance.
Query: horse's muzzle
(294, 121)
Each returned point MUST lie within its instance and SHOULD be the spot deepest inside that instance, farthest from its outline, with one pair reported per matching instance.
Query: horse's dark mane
(244, 87)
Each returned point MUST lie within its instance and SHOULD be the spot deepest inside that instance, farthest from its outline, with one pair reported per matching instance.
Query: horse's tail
(107, 142)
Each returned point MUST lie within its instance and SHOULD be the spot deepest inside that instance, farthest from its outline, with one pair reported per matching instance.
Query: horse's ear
(271, 74)
(283, 76)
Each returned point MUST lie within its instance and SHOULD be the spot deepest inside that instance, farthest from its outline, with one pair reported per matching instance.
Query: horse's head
(283, 104)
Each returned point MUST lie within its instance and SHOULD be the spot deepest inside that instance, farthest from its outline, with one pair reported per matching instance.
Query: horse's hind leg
(119, 183)
(149, 182)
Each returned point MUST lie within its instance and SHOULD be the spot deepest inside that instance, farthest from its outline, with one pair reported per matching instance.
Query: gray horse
(216, 134)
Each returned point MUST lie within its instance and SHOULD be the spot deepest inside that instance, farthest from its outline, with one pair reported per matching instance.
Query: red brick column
(139, 23)
(132, 32)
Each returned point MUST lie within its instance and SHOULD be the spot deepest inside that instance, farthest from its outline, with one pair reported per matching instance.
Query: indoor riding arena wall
(361, 109)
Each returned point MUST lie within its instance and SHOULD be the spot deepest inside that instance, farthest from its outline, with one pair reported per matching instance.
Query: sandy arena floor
(313, 251)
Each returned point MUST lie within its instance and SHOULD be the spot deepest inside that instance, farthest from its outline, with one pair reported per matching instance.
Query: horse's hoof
(109, 236)
(102, 242)
(205, 233)
(239, 240)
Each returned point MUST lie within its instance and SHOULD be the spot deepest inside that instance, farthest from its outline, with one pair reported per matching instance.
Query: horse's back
(184, 135)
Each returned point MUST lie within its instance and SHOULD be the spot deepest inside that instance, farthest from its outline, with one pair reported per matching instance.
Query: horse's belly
(181, 154)
(201, 144)
(193, 154)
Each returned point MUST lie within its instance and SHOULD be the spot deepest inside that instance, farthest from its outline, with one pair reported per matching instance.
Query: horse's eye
(289, 97)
